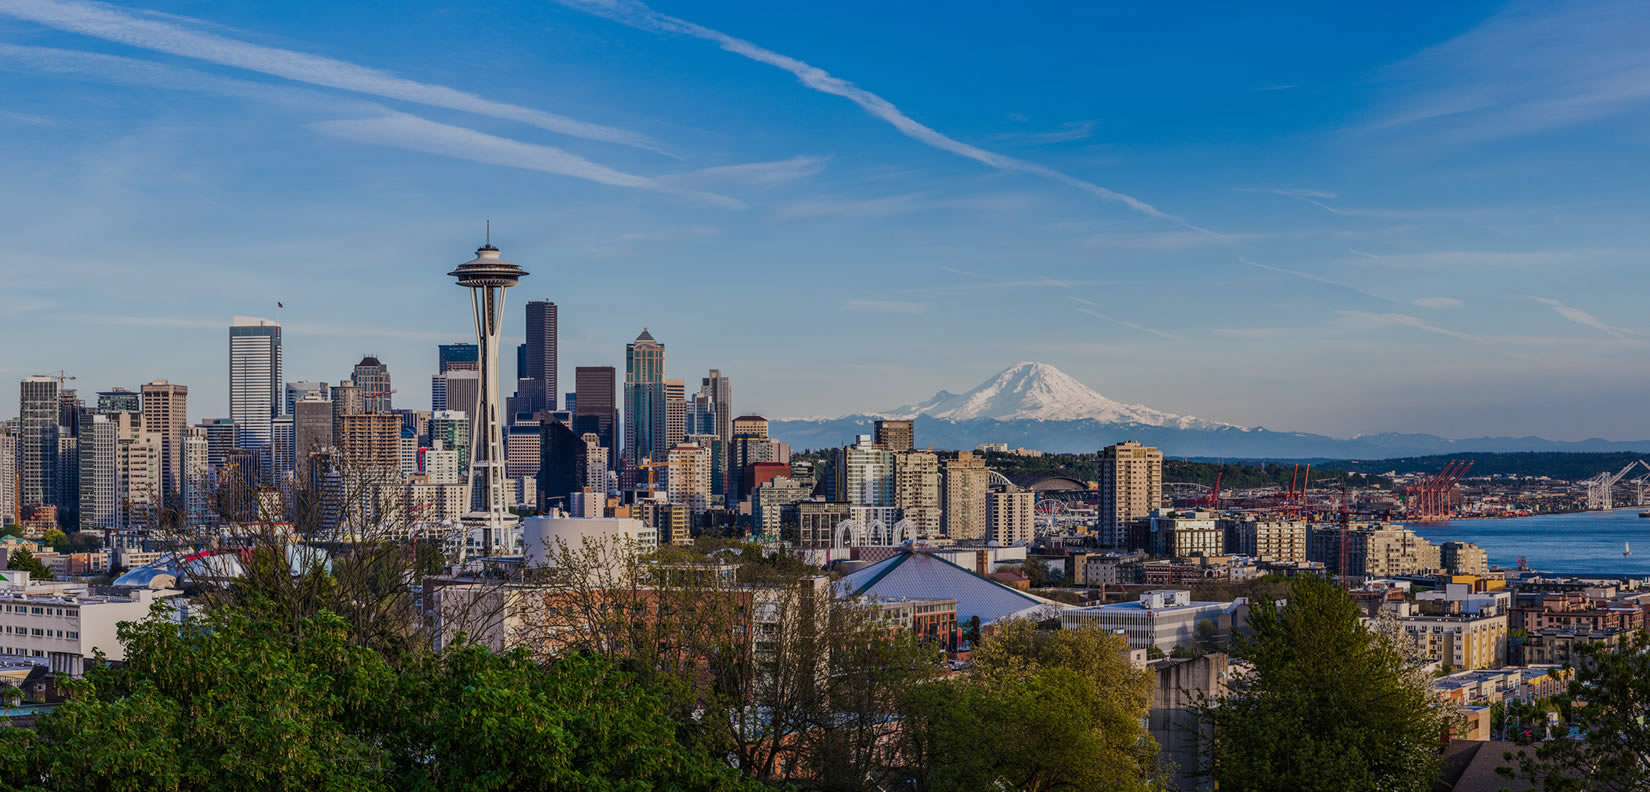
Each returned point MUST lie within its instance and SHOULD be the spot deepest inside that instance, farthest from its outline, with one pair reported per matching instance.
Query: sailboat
(1626, 549)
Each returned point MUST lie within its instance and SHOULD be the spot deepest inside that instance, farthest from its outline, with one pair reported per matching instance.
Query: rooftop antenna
(489, 231)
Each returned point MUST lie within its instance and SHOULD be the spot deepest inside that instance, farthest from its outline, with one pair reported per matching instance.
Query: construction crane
(372, 398)
(649, 465)
(1432, 497)
(61, 376)
(1600, 488)
(1212, 500)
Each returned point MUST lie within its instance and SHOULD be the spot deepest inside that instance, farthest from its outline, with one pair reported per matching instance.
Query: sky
(1327, 217)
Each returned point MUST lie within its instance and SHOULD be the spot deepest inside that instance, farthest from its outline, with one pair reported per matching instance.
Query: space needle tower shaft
(489, 520)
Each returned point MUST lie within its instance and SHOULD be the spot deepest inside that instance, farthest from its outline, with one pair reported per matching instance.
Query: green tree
(22, 560)
(58, 540)
(12, 529)
(1606, 700)
(1042, 711)
(1325, 705)
(239, 702)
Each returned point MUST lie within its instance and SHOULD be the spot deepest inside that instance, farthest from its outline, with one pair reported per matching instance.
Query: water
(1580, 543)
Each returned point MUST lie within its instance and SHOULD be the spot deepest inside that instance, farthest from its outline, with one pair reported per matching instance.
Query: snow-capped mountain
(1030, 391)
(1038, 406)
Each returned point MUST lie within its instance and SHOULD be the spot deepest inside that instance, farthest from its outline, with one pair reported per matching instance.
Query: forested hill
(1571, 467)
(1232, 475)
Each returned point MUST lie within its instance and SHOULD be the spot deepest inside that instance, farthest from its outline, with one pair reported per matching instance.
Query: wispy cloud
(1439, 302)
(1364, 320)
(27, 119)
(756, 174)
(640, 16)
(1067, 132)
(1534, 66)
(885, 306)
(1487, 259)
(891, 205)
(1308, 276)
(1290, 192)
(418, 134)
(107, 22)
(1089, 309)
(1583, 318)
(1253, 333)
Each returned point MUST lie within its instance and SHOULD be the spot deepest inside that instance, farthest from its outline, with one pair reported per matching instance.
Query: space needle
(487, 276)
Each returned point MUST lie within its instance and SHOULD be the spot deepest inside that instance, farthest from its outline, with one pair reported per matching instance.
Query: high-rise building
(441, 464)
(718, 391)
(1011, 516)
(594, 467)
(296, 391)
(166, 415)
(560, 455)
(750, 426)
(371, 441)
(689, 482)
(140, 476)
(452, 429)
(896, 436)
(675, 412)
(438, 392)
(8, 474)
(718, 452)
(1131, 485)
(37, 444)
(311, 430)
(521, 450)
(917, 490)
(283, 448)
(644, 400)
(965, 511)
(409, 451)
(197, 478)
(98, 448)
(255, 396)
(374, 378)
(463, 389)
(594, 408)
(863, 474)
(220, 440)
(457, 357)
(347, 399)
(118, 400)
(540, 366)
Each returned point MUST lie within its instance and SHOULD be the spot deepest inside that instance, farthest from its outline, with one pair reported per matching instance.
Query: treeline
(1236, 475)
(1556, 464)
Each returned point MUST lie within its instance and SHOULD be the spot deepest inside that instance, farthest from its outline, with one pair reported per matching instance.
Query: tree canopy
(22, 560)
(1606, 701)
(1326, 704)
(236, 702)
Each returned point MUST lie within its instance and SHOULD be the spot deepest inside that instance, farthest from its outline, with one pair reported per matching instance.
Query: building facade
(964, 506)
(1011, 516)
(1131, 485)
(254, 381)
(644, 400)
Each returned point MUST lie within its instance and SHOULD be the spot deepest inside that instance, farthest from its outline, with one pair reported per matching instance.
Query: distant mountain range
(1036, 405)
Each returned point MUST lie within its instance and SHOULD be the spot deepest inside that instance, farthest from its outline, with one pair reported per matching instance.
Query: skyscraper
(8, 473)
(283, 448)
(99, 451)
(594, 411)
(346, 400)
(118, 400)
(374, 379)
(487, 276)
(644, 400)
(166, 415)
(296, 391)
(254, 381)
(718, 390)
(311, 430)
(37, 444)
(541, 356)
(675, 412)
(197, 477)
(896, 436)
(966, 512)
(457, 357)
(1131, 485)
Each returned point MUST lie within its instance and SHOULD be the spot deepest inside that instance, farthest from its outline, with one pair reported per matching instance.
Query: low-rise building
(1265, 540)
(1164, 619)
(64, 622)
(1461, 641)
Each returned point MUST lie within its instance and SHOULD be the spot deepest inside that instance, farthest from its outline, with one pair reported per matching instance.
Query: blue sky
(1400, 217)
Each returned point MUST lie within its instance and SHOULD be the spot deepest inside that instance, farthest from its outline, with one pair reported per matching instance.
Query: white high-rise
(99, 451)
(255, 388)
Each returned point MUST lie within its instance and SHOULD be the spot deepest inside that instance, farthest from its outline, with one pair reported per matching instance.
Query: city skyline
(1419, 227)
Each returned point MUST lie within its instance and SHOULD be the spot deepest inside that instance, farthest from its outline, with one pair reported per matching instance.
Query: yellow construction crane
(649, 465)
